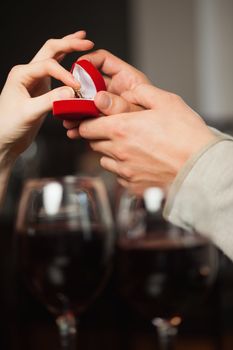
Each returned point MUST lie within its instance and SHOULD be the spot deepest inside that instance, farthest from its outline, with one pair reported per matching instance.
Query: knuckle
(50, 43)
(50, 62)
(174, 97)
(16, 70)
(101, 51)
(119, 105)
(120, 153)
(143, 80)
(126, 173)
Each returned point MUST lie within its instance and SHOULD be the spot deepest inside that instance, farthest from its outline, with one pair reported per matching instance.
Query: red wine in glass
(160, 278)
(63, 268)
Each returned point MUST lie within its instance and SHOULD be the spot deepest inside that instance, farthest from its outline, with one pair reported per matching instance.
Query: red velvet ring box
(78, 108)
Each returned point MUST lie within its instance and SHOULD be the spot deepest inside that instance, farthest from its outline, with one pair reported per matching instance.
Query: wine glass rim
(68, 179)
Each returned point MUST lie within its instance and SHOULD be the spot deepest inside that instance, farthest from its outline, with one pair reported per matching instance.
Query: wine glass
(65, 240)
(161, 269)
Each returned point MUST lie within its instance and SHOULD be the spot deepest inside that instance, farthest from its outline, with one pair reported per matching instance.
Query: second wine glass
(161, 269)
(65, 241)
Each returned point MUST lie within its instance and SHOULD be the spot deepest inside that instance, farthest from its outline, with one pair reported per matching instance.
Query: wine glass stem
(67, 327)
(166, 333)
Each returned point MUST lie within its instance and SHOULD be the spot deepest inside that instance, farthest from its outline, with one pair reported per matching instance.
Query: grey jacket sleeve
(201, 197)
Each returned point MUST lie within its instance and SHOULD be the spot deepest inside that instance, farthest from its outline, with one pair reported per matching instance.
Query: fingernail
(65, 92)
(82, 31)
(104, 101)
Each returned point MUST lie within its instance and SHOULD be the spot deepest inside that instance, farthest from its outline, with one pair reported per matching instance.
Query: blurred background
(183, 46)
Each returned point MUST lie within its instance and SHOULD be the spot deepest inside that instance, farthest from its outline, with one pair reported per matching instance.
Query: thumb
(44, 103)
(109, 104)
(146, 95)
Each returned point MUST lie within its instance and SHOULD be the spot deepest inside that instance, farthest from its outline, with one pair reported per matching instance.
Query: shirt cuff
(187, 168)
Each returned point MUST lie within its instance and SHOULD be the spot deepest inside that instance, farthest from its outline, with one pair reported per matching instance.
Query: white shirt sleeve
(201, 196)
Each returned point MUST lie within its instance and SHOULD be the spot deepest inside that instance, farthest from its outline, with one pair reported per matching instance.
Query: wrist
(203, 140)
(194, 147)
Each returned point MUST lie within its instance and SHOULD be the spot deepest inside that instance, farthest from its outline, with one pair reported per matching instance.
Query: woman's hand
(27, 97)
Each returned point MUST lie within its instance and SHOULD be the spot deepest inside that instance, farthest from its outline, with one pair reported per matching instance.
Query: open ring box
(82, 106)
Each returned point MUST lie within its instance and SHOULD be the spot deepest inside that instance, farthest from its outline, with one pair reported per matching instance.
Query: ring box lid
(89, 77)
(91, 82)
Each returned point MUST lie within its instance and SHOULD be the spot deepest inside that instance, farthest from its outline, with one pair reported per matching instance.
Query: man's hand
(148, 148)
(120, 79)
